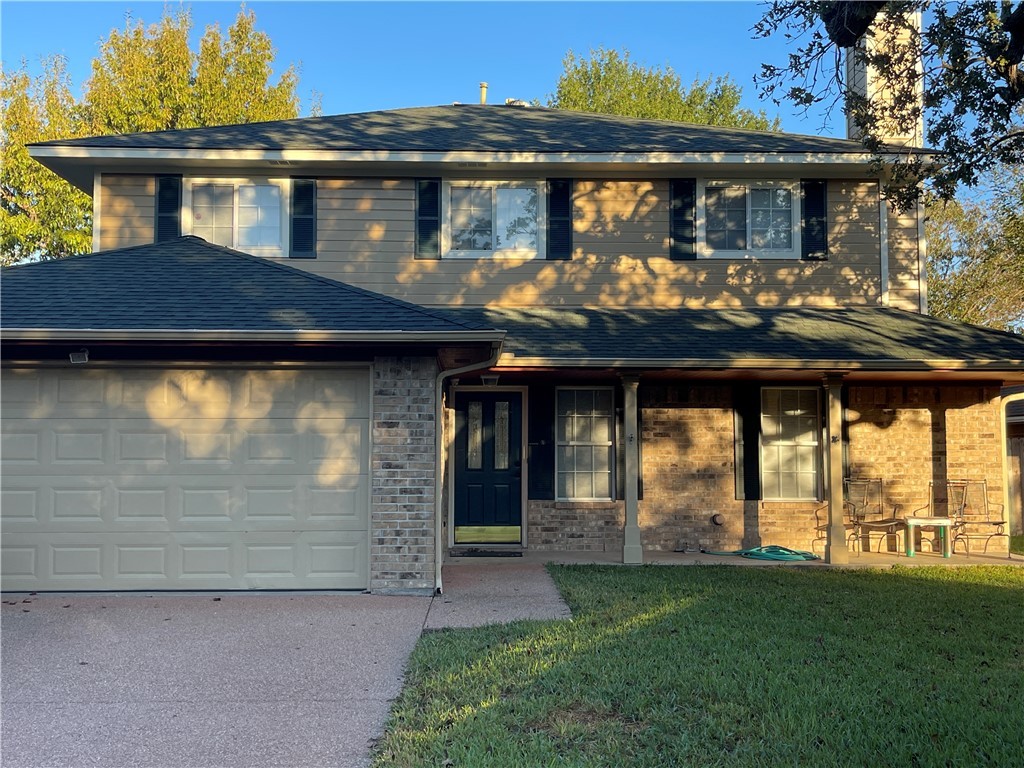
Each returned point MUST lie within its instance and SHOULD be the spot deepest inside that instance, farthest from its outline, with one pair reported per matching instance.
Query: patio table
(942, 523)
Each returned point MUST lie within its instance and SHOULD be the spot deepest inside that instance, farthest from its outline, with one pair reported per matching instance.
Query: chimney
(901, 89)
(483, 93)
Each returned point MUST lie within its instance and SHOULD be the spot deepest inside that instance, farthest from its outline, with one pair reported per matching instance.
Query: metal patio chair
(974, 516)
(868, 512)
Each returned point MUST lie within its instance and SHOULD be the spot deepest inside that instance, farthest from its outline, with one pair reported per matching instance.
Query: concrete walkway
(486, 590)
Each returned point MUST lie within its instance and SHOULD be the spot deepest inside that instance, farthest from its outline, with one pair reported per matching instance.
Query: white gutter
(171, 154)
(186, 334)
(439, 422)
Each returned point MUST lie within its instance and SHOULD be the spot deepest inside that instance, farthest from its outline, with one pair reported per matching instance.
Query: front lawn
(716, 665)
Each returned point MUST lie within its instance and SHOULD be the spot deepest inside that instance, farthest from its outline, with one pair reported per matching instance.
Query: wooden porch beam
(836, 550)
(632, 550)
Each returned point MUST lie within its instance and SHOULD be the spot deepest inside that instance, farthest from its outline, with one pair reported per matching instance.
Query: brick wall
(586, 526)
(907, 435)
(910, 435)
(402, 474)
(687, 452)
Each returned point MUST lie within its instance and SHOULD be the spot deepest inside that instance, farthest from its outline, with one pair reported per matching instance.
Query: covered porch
(725, 430)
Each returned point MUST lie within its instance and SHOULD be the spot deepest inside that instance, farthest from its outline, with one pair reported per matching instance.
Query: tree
(144, 79)
(976, 255)
(40, 213)
(611, 83)
(965, 61)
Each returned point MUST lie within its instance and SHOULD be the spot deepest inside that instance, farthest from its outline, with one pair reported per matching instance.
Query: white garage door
(185, 479)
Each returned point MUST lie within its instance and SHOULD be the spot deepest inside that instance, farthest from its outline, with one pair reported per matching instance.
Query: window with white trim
(492, 218)
(585, 451)
(790, 443)
(746, 218)
(248, 214)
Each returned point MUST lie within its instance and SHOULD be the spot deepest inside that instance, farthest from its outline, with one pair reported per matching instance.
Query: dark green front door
(488, 467)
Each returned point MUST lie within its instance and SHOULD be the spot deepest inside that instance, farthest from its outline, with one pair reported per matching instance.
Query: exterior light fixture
(80, 357)
(489, 380)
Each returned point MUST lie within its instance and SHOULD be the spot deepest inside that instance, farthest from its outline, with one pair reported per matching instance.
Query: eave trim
(171, 334)
(778, 157)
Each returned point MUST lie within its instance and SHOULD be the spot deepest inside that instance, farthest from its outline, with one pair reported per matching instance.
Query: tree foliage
(144, 79)
(966, 61)
(976, 255)
(611, 83)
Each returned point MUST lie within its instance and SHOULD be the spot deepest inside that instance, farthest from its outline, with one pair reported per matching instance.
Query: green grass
(707, 666)
(1017, 544)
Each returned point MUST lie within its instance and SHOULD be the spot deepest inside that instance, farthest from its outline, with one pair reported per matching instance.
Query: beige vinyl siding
(127, 210)
(621, 254)
(904, 264)
(621, 251)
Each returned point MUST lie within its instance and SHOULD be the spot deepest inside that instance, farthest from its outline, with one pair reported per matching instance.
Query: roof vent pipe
(483, 93)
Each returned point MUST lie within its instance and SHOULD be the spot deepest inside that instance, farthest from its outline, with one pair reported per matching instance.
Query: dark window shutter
(747, 410)
(541, 443)
(428, 218)
(168, 208)
(814, 220)
(559, 243)
(303, 215)
(682, 219)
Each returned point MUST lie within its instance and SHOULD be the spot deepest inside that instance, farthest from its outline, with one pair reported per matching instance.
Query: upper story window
(739, 219)
(248, 214)
(492, 218)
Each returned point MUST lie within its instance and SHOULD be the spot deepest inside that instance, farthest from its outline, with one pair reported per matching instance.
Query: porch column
(835, 547)
(632, 550)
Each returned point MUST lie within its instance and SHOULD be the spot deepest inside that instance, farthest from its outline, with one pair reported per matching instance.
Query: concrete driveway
(201, 680)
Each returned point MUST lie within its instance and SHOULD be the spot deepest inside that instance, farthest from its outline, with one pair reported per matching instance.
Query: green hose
(771, 552)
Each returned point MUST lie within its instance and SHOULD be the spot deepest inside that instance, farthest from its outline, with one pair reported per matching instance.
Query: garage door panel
(284, 560)
(328, 449)
(182, 502)
(174, 394)
(180, 479)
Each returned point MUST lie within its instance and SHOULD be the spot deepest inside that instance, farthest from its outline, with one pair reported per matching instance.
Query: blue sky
(382, 55)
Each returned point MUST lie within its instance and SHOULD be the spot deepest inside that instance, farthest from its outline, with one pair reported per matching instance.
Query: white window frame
(818, 443)
(285, 186)
(610, 444)
(517, 253)
(706, 252)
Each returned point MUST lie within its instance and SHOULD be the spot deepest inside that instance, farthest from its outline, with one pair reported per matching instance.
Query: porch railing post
(632, 550)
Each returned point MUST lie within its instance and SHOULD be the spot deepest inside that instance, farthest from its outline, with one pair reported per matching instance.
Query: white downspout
(439, 422)
(922, 259)
(97, 186)
(883, 246)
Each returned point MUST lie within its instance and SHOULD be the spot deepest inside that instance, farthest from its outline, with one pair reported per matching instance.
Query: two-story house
(323, 352)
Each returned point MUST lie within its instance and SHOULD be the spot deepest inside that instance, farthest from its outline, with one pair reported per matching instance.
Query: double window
(492, 218)
(585, 455)
(749, 218)
(248, 214)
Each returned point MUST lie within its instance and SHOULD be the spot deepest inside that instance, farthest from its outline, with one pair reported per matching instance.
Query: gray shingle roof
(868, 337)
(189, 284)
(474, 127)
